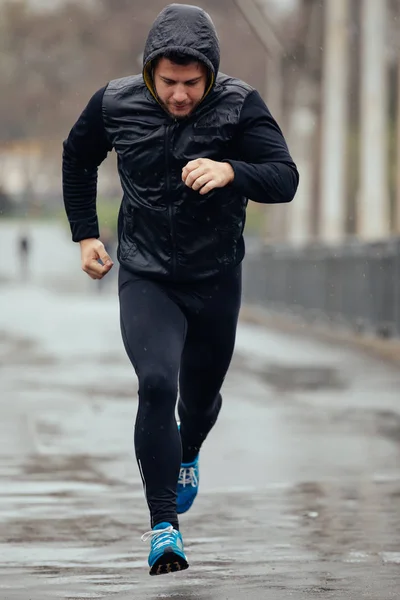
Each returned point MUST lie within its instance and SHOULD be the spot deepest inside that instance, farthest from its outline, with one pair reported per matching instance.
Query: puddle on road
(88, 530)
(64, 499)
(75, 467)
(285, 378)
(388, 424)
(122, 392)
(351, 522)
(301, 378)
(384, 423)
(15, 350)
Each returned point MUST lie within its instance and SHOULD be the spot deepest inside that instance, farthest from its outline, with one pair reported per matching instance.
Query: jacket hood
(187, 29)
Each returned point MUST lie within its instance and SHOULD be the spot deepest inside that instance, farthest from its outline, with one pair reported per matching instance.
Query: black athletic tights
(176, 333)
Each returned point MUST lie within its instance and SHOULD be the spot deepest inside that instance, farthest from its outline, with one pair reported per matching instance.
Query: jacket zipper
(170, 203)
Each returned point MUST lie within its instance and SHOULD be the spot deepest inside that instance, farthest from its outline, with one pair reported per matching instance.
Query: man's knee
(158, 385)
(200, 406)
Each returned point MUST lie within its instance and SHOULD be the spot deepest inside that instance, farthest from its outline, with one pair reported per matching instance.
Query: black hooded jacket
(167, 230)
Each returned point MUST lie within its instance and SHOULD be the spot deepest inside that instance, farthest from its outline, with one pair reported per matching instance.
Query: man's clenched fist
(92, 250)
(204, 175)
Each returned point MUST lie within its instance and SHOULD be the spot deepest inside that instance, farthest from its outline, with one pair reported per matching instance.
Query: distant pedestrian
(24, 249)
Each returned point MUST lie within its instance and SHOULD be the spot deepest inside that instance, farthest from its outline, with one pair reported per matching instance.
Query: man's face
(180, 88)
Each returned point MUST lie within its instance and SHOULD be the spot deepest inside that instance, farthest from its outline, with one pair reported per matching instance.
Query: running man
(193, 146)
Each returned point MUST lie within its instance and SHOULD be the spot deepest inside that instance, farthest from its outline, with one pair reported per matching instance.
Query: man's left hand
(204, 175)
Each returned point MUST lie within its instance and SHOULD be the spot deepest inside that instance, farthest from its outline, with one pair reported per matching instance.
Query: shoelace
(187, 476)
(161, 534)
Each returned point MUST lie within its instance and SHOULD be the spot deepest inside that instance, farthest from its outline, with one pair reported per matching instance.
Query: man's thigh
(153, 327)
(210, 342)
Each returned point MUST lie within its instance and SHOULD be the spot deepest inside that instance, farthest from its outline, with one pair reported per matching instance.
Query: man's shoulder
(233, 84)
(123, 95)
(125, 84)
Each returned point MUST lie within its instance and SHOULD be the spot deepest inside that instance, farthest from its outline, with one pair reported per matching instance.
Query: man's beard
(178, 116)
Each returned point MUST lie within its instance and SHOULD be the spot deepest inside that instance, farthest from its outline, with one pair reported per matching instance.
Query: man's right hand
(92, 250)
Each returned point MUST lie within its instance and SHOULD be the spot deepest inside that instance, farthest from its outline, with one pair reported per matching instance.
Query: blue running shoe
(188, 485)
(166, 550)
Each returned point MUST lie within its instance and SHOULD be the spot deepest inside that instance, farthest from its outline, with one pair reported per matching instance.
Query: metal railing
(356, 285)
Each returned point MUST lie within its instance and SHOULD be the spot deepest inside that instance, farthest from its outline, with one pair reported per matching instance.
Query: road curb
(384, 349)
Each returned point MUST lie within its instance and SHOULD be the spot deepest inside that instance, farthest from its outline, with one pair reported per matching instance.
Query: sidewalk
(300, 479)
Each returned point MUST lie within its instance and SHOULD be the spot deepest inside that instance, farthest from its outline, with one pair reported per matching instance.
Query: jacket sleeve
(84, 150)
(265, 171)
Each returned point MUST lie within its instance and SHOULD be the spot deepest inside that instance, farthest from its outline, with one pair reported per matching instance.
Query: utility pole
(273, 90)
(397, 224)
(373, 215)
(303, 122)
(273, 47)
(334, 121)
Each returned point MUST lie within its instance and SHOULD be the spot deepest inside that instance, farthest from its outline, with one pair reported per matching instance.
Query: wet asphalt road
(300, 479)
